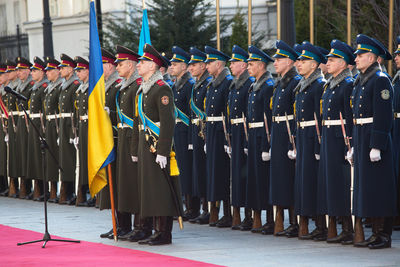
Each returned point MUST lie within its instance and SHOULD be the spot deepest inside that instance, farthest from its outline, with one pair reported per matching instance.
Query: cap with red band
(66, 61)
(124, 53)
(38, 64)
(81, 63)
(107, 57)
(151, 54)
(23, 63)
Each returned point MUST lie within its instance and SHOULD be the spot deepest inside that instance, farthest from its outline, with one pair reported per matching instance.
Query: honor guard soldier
(372, 103)
(153, 139)
(322, 66)
(3, 133)
(67, 150)
(36, 109)
(307, 111)
(24, 88)
(396, 125)
(182, 90)
(237, 103)
(197, 68)
(13, 113)
(164, 70)
(385, 56)
(258, 119)
(81, 125)
(52, 122)
(112, 80)
(334, 171)
(218, 169)
(127, 173)
(282, 169)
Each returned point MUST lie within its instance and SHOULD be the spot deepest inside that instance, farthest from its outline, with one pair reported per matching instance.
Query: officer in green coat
(156, 121)
(67, 149)
(52, 124)
(34, 160)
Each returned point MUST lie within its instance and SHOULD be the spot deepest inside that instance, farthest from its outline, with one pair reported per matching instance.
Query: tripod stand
(43, 146)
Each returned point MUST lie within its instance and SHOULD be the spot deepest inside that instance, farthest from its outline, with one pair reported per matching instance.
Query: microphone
(18, 95)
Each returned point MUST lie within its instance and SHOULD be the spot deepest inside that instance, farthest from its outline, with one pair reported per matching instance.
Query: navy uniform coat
(182, 90)
(374, 182)
(307, 103)
(257, 187)
(282, 169)
(334, 171)
(218, 180)
(237, 103)
(396, 125)
(199, 171)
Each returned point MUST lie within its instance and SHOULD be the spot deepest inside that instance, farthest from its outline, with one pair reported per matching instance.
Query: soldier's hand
(6, 138)
(58, 141)
(246, 151)
(134, 159)
(375, 155)
(265, 156)
(162, 161)
(71, 141)
(291, 154)
(190, 147)
(349, 155)
(205, 148)
(317, 156)
(228, 150)
(107, 109)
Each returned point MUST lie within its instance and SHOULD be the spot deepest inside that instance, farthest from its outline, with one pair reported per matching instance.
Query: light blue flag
(144, 33)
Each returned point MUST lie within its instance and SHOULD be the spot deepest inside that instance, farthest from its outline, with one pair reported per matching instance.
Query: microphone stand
(43, 147)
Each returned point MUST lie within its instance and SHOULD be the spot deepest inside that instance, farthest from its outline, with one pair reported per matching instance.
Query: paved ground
(202, 243)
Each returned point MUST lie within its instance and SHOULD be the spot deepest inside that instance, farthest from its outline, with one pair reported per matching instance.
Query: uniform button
(212, 106)
(302, 101)
(198, 92)
(360, 114)
(329, 109)
(235, 100)
(216, 91)
(252, 102)
(212, 97)
(333, 92)
(237, 93)
(329, 118)
(302, 110)
(253, 119)
(330, 100)
(277, 106)
(360, 96)
(283, 90)
(362, 88)
(360, 105)
(235, 108)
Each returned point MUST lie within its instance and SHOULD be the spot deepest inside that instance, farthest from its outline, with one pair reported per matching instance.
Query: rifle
(3, 125)
(245, 127)
(77, 156)
(266, 128)
(26, 122)
(13, 123)
(41, 121)
(226, 132)
(346, 138)
(56, 120)
(317, 128)
(291, 137)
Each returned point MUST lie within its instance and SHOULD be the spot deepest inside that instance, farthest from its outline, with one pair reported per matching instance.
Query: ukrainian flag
(144, 33)
(100, 136)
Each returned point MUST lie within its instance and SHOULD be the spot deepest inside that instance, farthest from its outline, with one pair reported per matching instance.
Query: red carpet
(72, 254)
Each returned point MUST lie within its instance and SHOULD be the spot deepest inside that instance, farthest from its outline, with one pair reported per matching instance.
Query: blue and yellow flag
(144, 33)
(100, 136)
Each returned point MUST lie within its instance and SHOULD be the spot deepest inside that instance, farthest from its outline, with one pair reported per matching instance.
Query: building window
(17, 13)
(3, 24)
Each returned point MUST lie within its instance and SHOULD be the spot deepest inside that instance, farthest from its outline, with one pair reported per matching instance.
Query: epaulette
(297, 77)
(170, 82)
(118, 80)
(160, 82)
(229, 77)
(270, 82)
(44, 85)
(252, 79)
(349, 79)
(209, 79)
(139, 81)
(76, 82)
(321, 80)
(192, 81)
(381, 74)
(32, 82)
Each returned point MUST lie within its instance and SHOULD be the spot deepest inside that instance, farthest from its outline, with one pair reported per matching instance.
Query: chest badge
(385, 94)
(165, 100)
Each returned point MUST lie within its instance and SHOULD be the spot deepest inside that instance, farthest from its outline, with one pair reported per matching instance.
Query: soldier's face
(364, 60)
(3, 78)
(37, 75)
(397, 60)
(66, 71)
(12, 75)
(335, 65)
(144, 67)
(306, 67)
(282, 65)
(197, 69)
(124, 68)
(83, 74)
(212, 67)
(53, 74)
(256, 68)
(178, 68)
(23, 74)
(238, 67)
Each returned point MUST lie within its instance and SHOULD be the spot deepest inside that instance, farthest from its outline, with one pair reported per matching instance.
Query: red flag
(3, 107)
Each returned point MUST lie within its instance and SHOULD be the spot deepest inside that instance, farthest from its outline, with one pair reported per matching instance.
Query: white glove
(76, 141)
(375, 155)
(205, 148)
(317, 156)
(162, 161)
(246, 151)
(134, 159)
(107, 109)
(6, 138)
(71, 141)
(58, 141)
(265, 156)
(190, 147)
(349, 155)
(291, 154)
(228, 150)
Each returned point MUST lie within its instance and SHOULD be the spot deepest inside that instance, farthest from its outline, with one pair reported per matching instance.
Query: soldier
(396, 124)
(127, 173)
(182, 89)
(157, 165)
(197, 68)
(24, 88)
(11, 100)
(36, 110)
(282, 169)
(372, 102)
(323, 66)
(164, 70)
(258, 148)
(51, 109)
(237, 103)
(81, 124)
(307, 110)
(3, 133)
(334, 174)
(218, 174)
(67, 150)
(112, 80)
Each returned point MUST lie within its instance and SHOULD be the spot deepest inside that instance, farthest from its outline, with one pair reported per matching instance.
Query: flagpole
(110, 184)
(390, 46)
(312, 21)
(218, 28)
(349, 22)
(249, 23)
(144, 4)
(278, 18)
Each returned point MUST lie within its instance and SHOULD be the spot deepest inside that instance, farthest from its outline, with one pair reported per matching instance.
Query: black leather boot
(384, 233)
(226, 220)
(293, 229)
(247, 222)
(372, 238)
(346, 236)
(322, 232)
(164, 235)
(144, 231)
(268, 228)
